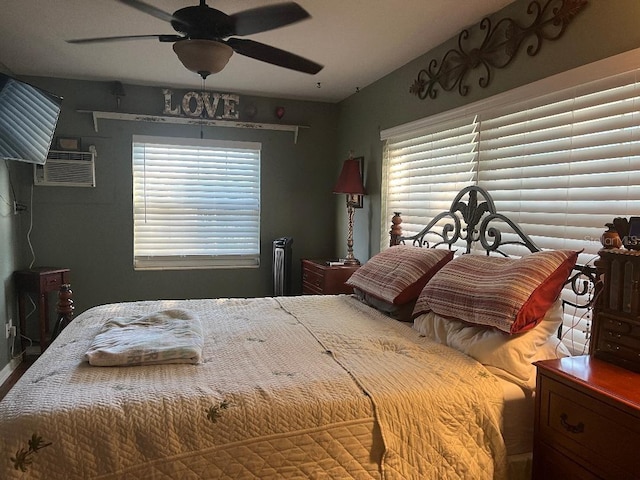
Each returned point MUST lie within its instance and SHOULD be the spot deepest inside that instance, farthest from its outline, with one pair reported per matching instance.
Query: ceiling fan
(203, 43)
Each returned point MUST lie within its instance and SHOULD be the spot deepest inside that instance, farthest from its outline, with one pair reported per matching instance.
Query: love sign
(224, 106)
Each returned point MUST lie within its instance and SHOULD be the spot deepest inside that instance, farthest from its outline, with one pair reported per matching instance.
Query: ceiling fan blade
(150, 9)
(275, 56)
(265, 18)
(162, 38)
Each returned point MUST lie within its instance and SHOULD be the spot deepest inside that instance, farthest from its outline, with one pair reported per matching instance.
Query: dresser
(320, 278)
(587, 421)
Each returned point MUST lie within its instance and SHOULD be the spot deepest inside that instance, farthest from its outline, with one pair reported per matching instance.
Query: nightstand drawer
(42, 279)
(588, 431)
(312, 281)
(319, 278)
(51, 282)
(554, 466)
(315, 267)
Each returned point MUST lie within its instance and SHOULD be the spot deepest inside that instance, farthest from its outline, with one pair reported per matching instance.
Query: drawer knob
(579, 428)
(613, 348)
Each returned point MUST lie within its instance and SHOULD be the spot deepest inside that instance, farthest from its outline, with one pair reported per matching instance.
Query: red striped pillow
(398, 274)
(512, 295)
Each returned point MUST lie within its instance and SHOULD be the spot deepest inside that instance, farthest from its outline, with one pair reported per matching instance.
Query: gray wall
(10, 179)
(90, 230)
(9, 252)
(604, 28)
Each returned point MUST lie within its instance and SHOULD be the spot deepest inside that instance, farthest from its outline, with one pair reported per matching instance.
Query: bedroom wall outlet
(18, 207)
(9, 328)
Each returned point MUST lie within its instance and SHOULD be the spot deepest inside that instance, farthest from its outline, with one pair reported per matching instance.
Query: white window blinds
(425, 170)
(196, 203)
(561, 165)
(564, 167)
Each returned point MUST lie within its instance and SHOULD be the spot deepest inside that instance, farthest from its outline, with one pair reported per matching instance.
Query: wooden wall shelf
(135, 117)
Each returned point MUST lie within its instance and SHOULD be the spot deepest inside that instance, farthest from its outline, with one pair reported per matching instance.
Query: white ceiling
(357, 41)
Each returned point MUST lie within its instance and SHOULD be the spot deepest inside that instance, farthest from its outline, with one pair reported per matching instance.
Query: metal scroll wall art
(499, 47)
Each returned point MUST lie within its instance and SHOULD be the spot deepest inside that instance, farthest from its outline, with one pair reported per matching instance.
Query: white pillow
(552, 348)
(511, 356)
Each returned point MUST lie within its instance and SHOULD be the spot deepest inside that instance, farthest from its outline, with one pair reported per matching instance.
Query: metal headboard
(472, 218)
(470, 223)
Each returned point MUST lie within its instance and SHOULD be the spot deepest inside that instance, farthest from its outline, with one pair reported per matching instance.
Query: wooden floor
(15, 375)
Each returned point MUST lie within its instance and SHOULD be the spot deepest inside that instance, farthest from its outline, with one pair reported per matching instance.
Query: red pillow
(398, 274)
(512, 295)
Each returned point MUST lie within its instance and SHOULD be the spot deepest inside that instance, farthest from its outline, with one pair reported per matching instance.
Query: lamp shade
(350, 179)
(203, 56)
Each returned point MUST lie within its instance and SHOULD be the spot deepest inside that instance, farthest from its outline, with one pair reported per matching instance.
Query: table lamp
(350, 183)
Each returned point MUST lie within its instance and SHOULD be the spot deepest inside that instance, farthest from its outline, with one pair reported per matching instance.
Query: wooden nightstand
(319, 278)
(587, 420)
(41, 281)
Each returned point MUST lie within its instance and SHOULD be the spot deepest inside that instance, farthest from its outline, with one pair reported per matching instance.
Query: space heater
(282, 266)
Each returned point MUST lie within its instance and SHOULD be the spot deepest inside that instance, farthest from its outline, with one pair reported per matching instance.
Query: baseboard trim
(6, 372)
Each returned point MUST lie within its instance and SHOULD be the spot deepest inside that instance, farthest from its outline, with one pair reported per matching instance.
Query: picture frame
(68, 143)
(358, 200)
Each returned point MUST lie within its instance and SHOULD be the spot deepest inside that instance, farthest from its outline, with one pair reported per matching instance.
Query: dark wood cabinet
(320, 278)
(616, 323)
(587, 423)
(41, 281)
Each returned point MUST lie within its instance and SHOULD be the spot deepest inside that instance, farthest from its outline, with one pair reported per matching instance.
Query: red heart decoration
(279, 112)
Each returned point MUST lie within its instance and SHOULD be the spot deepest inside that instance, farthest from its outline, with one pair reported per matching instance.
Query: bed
(377, 384)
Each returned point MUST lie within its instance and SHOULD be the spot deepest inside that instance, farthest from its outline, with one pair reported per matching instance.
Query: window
(425, 170)
(561, 165)
(196, 203)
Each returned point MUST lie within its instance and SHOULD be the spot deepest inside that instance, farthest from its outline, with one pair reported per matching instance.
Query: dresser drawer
(589, 431)
(312, 281)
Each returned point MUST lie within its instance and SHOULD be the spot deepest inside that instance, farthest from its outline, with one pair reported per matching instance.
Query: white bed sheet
(518, 413)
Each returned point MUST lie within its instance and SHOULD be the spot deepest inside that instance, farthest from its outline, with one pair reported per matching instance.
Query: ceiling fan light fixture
(203, 57)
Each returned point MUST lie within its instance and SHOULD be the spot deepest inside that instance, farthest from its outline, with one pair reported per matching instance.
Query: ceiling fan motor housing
(202, 22)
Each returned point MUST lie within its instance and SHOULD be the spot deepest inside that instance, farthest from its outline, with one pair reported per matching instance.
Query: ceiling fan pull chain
(202, 121)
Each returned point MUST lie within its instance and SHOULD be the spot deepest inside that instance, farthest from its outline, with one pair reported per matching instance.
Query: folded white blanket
(168, 336)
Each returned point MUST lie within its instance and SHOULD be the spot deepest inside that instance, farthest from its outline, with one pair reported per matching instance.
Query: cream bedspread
(296, 387)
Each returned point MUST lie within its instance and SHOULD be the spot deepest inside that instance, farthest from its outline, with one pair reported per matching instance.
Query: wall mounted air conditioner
(66, 169)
